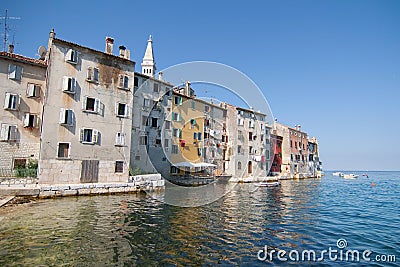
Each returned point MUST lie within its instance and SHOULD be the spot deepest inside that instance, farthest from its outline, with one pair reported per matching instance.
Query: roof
(247, 110)
(154, 79)
(23, 59)
(94, 50)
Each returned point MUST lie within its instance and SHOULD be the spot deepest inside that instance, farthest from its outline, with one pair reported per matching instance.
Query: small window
(146, 102)
(177, 133)
(93, 75)
(154, 122)
(136, 81)
(239, 149)
(120, 139)
(199, 136)
(250, 136)
(156, 88)
(91, 104)
(119, 166)
(69, 85)
(137, 158)
(195, 136)
(158, 142)
(167, 125)
(8, 132)
(224, 113)
(12, 101)
(66, 117)
(143, 140)
(239, 165)
(176, 116)
(33, 90)
(30, 120)
(123, 82)
(122, 110)
(89, 136)
(174, 149)
(71, 56)
(63, 150)
(166, 143)
(178, 100)
(145, 120)
(206, 108)
(15, 72)
(19, 163)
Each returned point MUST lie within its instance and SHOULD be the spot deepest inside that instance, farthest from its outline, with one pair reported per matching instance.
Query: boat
(349, 176)
(269, 184)
(337, 173)
(366, 175)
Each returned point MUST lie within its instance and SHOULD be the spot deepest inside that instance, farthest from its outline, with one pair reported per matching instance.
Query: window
(63, 150)
(156, 88)
(66, 116)
(199, 151)
(69, 85)
(89, 136)
(15, 72)
(166, 144)
(178, 100)
(8, 132)
(33, 90)
(19, 163)
(250, 136)
(136, 81)
(143, 140)
(31, 120)
(195, 136)
(206, 122)
(119, 166)
(91, 104)
(224, 113)
(206, 108)
(239, 149)
(93, 75)
(291, 143)
(174, 169)
(71, 56)
(193, 105)
(145, 120)
(239, 165)
(262, 138)
(167, 125)
(225, 139)
(177, 133)
(176, 116)
(123, 81)
(120, 139)
(137, 157)
(199, 136)
(12, 101)
(154, 122)
(192, 122)
(146, 102)
(240, 121)
(174, 149)
(158, 142)
(250, 150)
(251, 124)
(121, 110)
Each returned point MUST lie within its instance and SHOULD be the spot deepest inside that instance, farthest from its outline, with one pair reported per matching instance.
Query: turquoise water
(136, 230)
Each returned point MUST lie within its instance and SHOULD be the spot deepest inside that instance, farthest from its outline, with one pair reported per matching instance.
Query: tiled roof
(24, 59)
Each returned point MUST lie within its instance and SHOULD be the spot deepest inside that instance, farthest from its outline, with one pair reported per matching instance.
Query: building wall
(298, 149)
(27, 139)
(55, 169)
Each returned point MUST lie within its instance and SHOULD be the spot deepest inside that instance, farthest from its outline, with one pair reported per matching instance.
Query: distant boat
(366, 175)
(269, 184)
(349, 176)
(337, 173)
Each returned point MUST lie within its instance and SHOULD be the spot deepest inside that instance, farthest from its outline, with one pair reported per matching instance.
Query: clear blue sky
(332, 66)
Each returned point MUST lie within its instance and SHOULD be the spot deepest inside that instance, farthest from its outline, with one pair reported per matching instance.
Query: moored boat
(337, 173)
(349, 176)
(269, 184)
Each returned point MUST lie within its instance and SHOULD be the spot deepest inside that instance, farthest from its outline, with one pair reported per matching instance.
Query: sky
(332, 66)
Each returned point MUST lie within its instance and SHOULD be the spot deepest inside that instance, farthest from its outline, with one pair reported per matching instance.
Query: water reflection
(138, 230)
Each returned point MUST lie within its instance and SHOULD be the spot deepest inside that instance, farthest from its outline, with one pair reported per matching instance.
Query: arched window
(239, 165)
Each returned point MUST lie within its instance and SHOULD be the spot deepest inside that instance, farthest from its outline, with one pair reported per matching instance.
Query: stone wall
(9, 151)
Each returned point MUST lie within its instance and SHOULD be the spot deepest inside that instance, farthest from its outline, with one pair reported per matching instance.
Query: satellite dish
(42, 52)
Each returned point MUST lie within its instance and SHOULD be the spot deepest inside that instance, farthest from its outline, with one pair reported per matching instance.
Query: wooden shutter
(95, 136)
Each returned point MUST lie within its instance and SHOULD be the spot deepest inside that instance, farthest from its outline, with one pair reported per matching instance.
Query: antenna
(6, 28)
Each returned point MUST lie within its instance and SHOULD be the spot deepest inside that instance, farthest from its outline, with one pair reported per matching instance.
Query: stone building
(22, 90)
(248, 145)
(298, 151)
(87, 114)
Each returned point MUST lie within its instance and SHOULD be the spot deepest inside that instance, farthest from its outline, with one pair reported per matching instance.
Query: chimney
(122, 50)
(11, 48)
(187, 88)
(299, 127)
(109, 45)
(160, 74)
(128, 54)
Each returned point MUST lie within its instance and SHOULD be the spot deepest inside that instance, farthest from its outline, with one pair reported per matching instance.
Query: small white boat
(268, 184)
(337, 173)
(349, 176)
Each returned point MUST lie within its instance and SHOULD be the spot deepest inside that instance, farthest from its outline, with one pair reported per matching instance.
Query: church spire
(148, 64)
